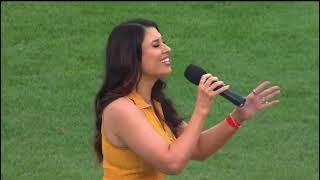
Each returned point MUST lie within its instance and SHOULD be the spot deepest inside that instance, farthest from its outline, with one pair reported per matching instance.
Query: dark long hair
(123, 72)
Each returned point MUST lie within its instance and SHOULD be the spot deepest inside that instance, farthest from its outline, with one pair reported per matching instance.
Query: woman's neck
(144, 88)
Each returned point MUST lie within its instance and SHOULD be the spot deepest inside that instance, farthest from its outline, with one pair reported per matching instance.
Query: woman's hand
(206, 93)
(258, 99)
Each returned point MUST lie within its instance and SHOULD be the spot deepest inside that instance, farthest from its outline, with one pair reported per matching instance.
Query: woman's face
(155, 55)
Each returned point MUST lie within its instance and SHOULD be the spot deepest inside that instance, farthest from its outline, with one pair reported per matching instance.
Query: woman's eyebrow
(157, 40)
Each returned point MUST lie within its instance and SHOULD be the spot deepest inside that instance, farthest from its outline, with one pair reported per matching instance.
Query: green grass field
(52, 65)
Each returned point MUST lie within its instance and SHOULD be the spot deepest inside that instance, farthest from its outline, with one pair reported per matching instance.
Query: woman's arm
(133, 129)
(211, 140)
(214, 138)
(130, 125)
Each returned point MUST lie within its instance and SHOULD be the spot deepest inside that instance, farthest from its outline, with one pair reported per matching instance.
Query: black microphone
(193, 73)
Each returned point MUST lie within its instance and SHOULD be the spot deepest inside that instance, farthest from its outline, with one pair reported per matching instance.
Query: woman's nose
(166, 48)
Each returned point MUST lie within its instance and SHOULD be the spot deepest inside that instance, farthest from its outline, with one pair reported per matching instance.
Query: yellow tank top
(124, 164)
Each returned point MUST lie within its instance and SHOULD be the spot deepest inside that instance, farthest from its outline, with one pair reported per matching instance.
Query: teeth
(165, 60)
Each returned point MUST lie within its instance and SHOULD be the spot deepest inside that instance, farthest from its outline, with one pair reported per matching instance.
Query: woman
(139, 134)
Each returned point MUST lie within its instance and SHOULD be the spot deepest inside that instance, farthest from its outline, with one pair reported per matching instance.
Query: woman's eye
(158, 45)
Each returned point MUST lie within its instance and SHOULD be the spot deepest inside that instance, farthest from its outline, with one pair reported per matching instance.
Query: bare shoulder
(117, 115)
(120, 108)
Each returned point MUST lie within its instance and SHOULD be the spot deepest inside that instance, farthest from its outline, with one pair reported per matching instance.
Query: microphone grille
(193, 73)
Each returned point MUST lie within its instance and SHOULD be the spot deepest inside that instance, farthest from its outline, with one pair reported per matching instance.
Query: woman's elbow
(174, 165)
(175, 168)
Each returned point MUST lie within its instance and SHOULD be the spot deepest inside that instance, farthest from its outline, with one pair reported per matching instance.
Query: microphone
(193, 73)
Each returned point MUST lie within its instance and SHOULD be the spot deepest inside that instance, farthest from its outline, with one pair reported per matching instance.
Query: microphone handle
(233, 97)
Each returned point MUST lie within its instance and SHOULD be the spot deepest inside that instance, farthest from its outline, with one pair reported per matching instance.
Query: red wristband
(232, 122)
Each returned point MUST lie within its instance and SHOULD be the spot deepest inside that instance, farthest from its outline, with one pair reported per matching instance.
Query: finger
(210, 80)
(269, 91)
(271, 103)
(204, 78)
(220, 90)
(272, 94)
(216, 84)
(260, 88)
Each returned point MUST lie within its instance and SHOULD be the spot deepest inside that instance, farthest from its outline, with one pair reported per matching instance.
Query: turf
(52, 65)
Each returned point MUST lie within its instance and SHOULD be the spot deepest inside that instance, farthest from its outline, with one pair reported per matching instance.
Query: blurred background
(52, 64)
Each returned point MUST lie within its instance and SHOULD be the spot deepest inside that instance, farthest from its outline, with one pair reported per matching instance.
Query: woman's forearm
(214, 138)
(183, 147)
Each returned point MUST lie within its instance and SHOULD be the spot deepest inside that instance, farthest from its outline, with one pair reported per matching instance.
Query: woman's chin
(166, 73)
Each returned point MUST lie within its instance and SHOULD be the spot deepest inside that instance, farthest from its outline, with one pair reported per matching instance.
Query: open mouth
(165, 60)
